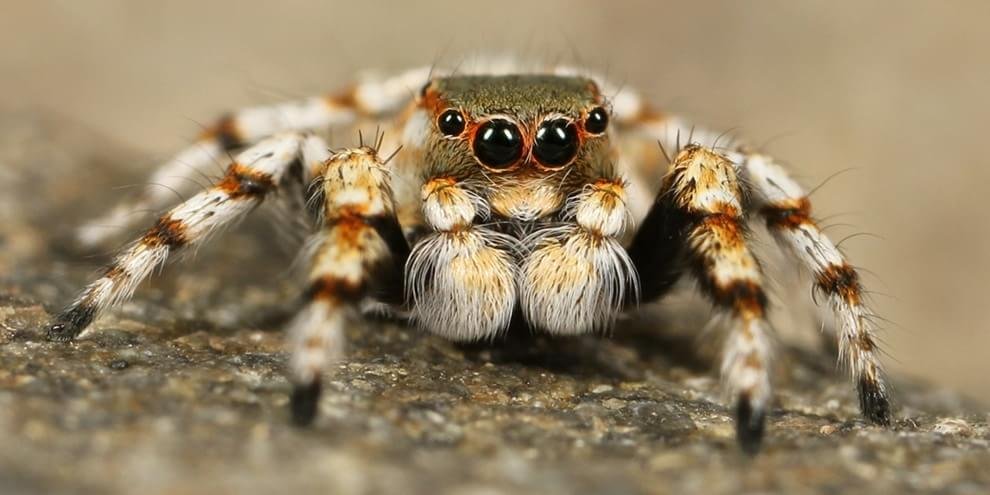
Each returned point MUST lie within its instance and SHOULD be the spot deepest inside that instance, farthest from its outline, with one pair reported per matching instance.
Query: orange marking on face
(432, 101)
(526, 198)
(611, 185)
(437, 184)
(611, 193)
(435, 106)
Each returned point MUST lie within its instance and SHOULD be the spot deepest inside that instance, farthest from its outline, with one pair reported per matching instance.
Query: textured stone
(182, 389)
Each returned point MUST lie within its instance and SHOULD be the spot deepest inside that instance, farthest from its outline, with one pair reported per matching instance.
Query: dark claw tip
(303, 403)
(874, 403)
(750, 426)
(60, 332)
(71, 323)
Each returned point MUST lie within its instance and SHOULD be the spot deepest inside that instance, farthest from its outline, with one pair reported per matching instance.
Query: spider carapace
(546, 192)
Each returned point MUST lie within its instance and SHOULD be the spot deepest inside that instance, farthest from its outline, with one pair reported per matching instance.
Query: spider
(541, 192)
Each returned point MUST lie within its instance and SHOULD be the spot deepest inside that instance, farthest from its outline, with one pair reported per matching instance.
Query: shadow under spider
(627, 353)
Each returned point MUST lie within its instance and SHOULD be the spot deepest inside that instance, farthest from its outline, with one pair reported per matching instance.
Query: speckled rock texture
(182, 390)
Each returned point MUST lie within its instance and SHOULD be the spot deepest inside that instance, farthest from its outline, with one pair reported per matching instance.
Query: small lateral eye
(451, 123)
(597, 121)
(498, 143)
(556, 142)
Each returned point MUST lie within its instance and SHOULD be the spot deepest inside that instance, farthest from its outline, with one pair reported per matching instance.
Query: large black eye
(451, 123)
(597, 121)
(498, 143)
(556, 142)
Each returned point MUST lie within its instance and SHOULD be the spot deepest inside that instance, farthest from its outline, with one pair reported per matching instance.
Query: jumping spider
(511, 191)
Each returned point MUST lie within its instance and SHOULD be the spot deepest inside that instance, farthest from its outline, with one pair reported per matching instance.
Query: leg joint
(330, 288)
(168, 232)
(241, 181)
(790, 214)
(226, 133)
(744, 297)
(841, 280)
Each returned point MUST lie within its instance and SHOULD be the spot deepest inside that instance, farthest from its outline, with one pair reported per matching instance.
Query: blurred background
(894, 90)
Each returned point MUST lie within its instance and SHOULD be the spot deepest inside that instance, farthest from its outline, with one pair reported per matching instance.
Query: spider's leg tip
(59, 332)
(750, 426)
(303, 403)
(68, 325)
(873, 402)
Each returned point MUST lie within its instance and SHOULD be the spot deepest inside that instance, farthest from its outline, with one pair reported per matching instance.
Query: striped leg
(787, 211)
(373, 99)
(360, 252)
(256, 173)
(704, 188)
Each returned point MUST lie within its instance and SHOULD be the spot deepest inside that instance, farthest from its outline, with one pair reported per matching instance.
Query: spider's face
(527, 140)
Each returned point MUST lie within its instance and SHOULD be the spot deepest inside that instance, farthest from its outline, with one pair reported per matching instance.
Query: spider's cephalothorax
(523, 191)
(520, 187)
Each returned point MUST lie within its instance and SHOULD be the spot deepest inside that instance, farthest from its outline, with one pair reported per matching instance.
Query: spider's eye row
(498, 143)
(597, 121)
(556, 142)
(451, 123)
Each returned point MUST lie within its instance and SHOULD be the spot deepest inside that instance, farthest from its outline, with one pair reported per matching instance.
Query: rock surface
(182, 390)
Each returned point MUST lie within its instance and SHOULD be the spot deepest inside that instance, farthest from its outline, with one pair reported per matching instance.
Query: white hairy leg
(704, 187)
(787, 211)
(359, 249)
(784, 205)
(255, 173)
(372, 99)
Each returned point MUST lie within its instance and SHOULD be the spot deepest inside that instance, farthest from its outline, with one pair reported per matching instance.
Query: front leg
(697, 221)
(360, 253)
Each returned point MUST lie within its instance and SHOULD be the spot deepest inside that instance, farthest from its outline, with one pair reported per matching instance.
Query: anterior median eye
(498, 143)
(556, 142)
(451, 123)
